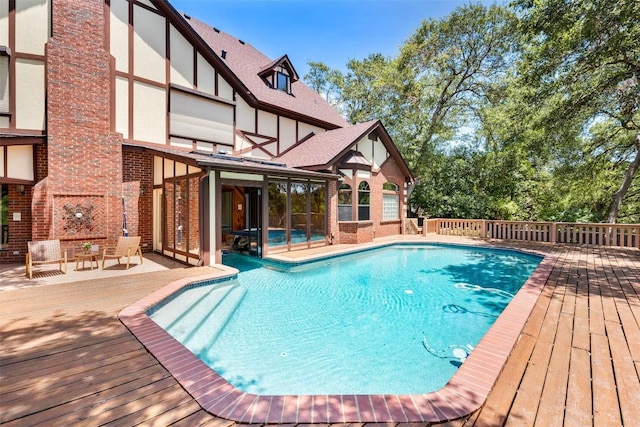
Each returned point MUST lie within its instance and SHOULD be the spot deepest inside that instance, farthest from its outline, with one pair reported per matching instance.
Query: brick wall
(389, 172)
(84, 158)
(365, 231)
(138, 168)
(352, 232)
(19, 231)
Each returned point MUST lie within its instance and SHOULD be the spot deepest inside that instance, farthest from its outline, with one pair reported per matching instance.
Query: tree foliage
(583, 61)
(530, 111)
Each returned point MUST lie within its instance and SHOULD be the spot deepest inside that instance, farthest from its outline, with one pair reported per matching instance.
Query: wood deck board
(65, 358)
(554, 393)
(605, 399)
(578, 407)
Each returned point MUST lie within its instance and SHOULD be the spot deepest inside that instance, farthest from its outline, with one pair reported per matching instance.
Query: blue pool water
(396, 320)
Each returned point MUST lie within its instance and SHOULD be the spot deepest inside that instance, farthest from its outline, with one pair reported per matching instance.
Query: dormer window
(283, 82)
(279, 74)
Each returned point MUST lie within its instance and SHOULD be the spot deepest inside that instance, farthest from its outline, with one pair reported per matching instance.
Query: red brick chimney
(81, 198)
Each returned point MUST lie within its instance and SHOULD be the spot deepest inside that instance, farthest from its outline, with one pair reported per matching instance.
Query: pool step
(190, 310)
(208, 330)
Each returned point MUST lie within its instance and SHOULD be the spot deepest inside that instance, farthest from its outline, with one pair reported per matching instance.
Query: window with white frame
(390, 202)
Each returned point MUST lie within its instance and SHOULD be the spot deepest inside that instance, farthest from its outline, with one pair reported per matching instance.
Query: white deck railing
(622, 235)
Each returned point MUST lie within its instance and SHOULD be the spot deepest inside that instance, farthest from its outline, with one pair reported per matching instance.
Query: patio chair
(45, 252)
(126, 247)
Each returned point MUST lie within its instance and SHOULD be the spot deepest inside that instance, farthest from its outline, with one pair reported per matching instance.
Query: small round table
(87, 256)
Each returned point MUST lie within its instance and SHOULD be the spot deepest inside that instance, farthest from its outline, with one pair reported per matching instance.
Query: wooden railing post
(553, 234)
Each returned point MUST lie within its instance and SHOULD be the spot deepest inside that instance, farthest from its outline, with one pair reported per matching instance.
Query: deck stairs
(412, 227)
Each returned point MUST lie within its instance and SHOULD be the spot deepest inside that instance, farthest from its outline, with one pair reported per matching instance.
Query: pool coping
(465, 392)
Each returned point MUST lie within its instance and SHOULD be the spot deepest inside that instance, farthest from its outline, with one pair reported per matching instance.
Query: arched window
(364, 196)
(390, 201)
(345, 203)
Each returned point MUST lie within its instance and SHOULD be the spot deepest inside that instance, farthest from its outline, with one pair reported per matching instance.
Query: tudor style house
(126, 114)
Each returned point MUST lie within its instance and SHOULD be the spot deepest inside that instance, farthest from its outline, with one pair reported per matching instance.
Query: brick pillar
(84, 156)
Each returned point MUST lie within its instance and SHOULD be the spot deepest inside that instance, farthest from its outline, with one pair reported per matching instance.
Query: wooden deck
(66, 359)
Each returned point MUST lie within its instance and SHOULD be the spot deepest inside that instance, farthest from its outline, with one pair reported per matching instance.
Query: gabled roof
(355, 159)
(283, 61)
(323, 150)
(247, 63)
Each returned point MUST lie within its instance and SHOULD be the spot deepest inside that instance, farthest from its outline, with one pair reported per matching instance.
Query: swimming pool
(362, 324)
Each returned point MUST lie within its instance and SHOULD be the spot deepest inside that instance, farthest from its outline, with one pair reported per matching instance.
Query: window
(318, 227)
(390, 202)
(277, 213)
(299, 194)
(282, 82)
(345, 203)
(364, 194)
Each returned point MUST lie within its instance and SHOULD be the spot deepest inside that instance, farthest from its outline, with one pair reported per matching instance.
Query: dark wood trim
(27, 140)
(277, 136)
(235, 116)
(30, 56)
(298, 142)
(167, 79)
(144, 6)
(5, 180)
(255, 120)
(129, 76)
(215, 82)
(12, 64)
(195, 92)
(218, 217)
(232, 182)
(195, 67)
(264, 226)
(138, 79)
(287, 232)
(258, 145)
(5, 162)
(204, 205)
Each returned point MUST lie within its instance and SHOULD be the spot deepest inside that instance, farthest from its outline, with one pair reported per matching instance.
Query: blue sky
(329, 31)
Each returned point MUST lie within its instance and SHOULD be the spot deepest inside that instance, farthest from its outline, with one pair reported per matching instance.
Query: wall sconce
(79, 215)
(20, 188)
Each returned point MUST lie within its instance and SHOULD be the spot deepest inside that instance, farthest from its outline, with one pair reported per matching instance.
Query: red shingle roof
(246, 62)
(323, 148)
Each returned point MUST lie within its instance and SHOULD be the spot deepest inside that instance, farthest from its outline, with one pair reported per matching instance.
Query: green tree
(453, 66)
(582, 62)
(326, 81)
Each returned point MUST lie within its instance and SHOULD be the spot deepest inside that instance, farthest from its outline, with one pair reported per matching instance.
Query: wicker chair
(126, 247)
(45, 252)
